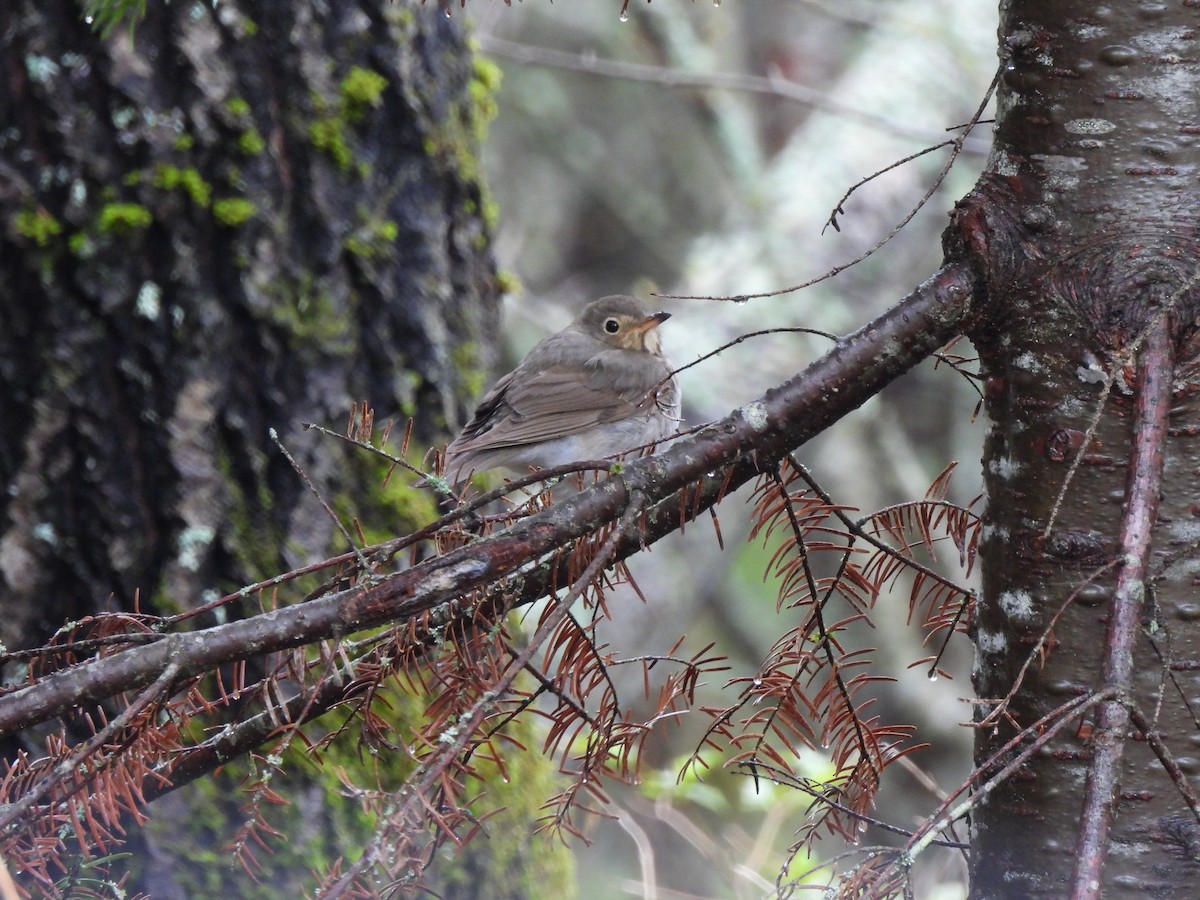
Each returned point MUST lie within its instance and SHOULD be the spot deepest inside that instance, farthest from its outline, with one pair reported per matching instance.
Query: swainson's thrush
(597, 388)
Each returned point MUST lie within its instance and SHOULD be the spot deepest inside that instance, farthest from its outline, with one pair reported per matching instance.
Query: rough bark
(232, 219)
(1082, 230)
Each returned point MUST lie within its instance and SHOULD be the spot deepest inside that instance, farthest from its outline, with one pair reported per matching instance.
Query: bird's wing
(535, 406)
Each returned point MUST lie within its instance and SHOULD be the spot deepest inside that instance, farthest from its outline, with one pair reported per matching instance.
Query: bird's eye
(612, 326)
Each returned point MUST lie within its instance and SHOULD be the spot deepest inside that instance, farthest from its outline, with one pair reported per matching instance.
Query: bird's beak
(652, 321)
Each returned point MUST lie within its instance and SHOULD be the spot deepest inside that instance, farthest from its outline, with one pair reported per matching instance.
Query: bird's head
(623, 322)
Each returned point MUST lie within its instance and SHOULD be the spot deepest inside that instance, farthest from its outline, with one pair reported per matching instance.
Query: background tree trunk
(1083, 229)
(228, 220)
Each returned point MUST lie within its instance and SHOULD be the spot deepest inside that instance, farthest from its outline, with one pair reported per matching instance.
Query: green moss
(373, 240)
(248, 534)
(329, 136)
(360, 90)
(304, 307)
(38, 225)
(80, 244)
(183, 142)
(491, 211)
(471, 375)
(507, 282)
(123, 218)
(400, 17)
(250, 142)
(237, 106)
(457, 139)
(233, 211)
(189, 180)
(385, 501)
(194, 831)
(483, 87)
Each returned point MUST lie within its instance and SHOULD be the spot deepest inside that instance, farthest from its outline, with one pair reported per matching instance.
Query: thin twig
(993, 718)
(1178, 777)
(1044, 728)
(956, 148)
(737, 340)
(365, 566)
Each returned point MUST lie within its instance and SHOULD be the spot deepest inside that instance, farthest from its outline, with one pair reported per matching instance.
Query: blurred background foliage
(611, 176)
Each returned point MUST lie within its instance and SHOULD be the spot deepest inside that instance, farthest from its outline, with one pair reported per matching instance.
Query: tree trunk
(1082, 232)
(229, 220)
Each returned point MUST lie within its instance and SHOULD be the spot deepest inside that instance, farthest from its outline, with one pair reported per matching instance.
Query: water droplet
(89, 19)
(716, 2)
(624, 17)
(740, 301)
(933, 675)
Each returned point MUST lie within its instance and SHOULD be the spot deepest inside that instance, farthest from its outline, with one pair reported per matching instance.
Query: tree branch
(680, 482)
(1155, 373)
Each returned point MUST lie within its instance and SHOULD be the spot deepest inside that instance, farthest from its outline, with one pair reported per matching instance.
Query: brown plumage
(597, 388)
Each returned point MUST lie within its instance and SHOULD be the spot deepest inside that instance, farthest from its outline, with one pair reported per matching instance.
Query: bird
(598, 388)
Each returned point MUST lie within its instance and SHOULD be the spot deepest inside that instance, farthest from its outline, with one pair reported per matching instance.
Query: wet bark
(1083, 229)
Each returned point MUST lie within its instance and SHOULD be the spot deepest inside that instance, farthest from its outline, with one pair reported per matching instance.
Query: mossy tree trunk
(230, 219)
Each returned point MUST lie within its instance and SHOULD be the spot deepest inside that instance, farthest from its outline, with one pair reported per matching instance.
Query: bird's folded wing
(541, 406)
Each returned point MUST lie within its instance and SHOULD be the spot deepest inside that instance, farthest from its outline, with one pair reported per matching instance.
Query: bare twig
(363, 564)
(956, 146)
(1127, 354)
(983, 780)
(992, 719)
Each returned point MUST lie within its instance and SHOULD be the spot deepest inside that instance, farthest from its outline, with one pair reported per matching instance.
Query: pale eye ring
(612, 326)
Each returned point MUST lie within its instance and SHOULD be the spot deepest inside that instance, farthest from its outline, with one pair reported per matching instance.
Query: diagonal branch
(717, 459)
